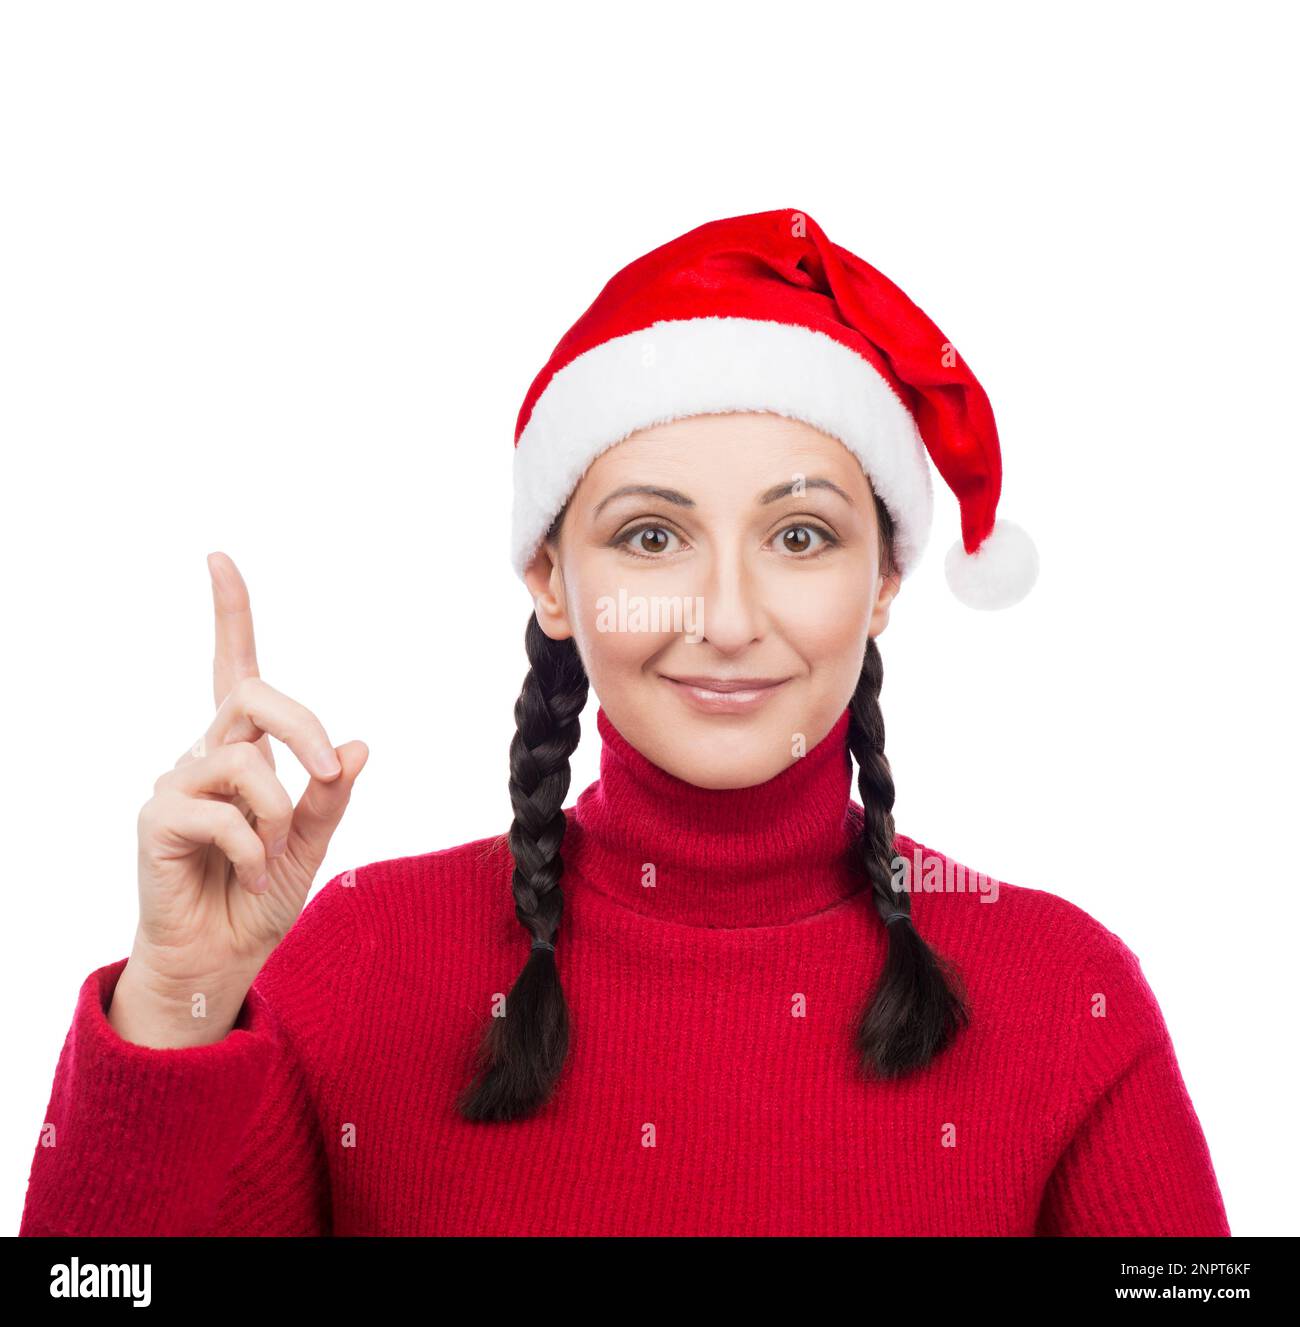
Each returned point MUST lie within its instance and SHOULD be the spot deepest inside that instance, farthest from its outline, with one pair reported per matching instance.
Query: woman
(716, 995)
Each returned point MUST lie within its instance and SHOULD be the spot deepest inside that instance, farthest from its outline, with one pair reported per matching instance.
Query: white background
(275, 278)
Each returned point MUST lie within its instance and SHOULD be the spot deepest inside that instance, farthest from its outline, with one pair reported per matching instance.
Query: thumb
(322, 805)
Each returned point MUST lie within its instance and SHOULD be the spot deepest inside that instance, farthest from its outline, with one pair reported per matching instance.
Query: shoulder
(380, 920)
(1036, 949)
(459, 889)
(961, 900)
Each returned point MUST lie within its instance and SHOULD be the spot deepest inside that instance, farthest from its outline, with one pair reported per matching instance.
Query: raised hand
(226, 859)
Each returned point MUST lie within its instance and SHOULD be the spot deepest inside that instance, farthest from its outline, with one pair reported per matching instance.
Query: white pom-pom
(999, 573)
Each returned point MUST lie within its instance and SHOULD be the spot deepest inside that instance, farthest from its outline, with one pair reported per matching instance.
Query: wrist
(150, 1009)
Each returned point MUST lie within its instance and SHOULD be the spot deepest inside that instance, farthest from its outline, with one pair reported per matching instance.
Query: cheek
(613, 626)
(828, 615)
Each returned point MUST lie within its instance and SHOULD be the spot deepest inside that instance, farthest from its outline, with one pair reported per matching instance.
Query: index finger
(236, 651)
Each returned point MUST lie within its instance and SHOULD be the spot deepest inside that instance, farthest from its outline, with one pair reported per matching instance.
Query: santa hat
(764, 313)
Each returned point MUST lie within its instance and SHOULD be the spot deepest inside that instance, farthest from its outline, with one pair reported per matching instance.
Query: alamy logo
(76, 1280)
(655, 613)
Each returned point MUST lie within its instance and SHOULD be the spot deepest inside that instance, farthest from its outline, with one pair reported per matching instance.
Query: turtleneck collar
(766, 855)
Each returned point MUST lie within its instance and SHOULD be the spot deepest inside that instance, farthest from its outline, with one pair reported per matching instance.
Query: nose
(732, 615)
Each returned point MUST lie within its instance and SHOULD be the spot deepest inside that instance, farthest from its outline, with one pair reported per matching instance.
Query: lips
(727, 684)
(725, 695)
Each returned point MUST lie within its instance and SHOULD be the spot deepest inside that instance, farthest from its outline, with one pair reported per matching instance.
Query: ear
(546, 585)
(889, 587)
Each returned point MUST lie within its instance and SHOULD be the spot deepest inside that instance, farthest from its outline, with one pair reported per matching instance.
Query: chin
(726, 751)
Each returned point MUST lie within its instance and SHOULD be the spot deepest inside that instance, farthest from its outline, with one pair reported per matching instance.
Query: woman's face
(722, 549)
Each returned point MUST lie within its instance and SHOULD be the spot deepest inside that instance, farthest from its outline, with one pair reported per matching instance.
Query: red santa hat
(764, 313)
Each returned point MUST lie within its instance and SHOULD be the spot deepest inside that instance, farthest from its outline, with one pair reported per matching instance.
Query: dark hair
(916, 1007)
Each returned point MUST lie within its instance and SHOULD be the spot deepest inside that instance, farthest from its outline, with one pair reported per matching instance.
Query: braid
(522, 1054)
(917, 1006)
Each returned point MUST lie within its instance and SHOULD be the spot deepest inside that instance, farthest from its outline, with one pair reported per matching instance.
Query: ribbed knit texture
(711, 1086)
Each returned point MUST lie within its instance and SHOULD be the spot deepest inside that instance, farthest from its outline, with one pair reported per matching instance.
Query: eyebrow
(649, 490)
(681, 500)
(785, 490)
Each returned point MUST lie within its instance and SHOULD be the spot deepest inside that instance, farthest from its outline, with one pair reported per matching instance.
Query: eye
(646, 541)
(803, 545)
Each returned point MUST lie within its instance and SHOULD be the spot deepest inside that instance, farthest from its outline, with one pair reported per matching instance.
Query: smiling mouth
(726, 686)
(722, 696)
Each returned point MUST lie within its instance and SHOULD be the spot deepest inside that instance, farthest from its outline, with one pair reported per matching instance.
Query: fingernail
(328, 762)
(260, 884)
(279, 846)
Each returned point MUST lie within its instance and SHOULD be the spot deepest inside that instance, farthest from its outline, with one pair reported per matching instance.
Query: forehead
(759, 448)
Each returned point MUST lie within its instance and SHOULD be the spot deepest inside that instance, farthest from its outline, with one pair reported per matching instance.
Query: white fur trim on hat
(702, 366)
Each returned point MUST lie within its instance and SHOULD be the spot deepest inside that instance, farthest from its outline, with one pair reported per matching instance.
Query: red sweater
(710, 1086)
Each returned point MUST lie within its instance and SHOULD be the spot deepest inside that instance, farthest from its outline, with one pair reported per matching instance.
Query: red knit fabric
(711, 1086)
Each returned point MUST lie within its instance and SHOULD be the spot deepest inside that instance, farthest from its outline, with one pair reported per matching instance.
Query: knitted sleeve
(1136, 1160)
(222, 1139)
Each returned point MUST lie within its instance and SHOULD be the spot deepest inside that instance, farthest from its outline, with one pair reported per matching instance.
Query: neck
(767, 855)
